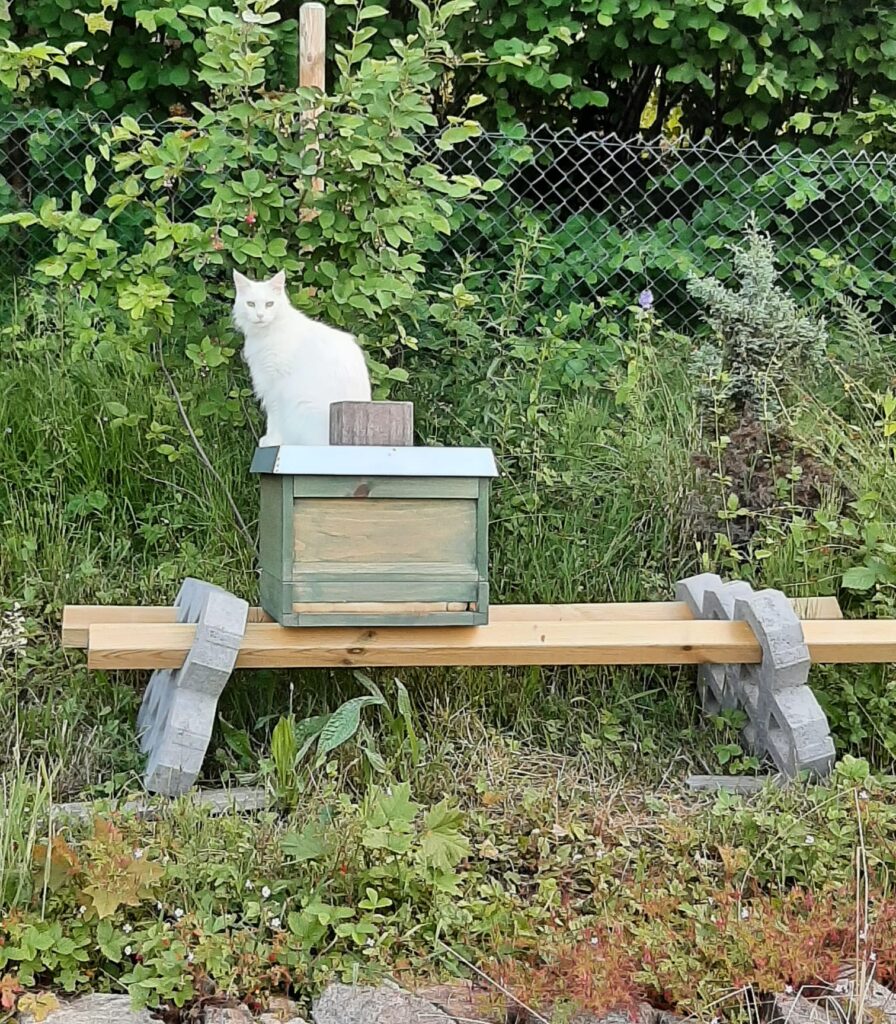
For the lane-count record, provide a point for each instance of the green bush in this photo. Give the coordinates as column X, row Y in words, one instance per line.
column 729, row 68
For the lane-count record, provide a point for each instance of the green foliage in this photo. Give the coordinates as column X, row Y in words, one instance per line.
column 725, row 67
column 395, row 751
column 134, row 55
column 23, row 67
column 351, row 887
column 760, row 337
column 148, row 251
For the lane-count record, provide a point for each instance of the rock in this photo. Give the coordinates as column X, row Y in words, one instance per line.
column 95, row 1009
column 456, row 998
column 877, row 1001
column 799, row 1010
column 281, row 1010
column 359, row 1004
column 226, row 1015
column 645, row 1014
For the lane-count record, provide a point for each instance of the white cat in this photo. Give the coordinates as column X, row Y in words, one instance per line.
column 298, row 366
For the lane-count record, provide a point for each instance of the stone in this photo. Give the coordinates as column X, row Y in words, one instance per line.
column 281, row 1010
column 226, row 1015
column 878, row 1002
column 360, row 1004
column 456, row 998
column 178, row 712
column 95, row 1009
column 797, row 1009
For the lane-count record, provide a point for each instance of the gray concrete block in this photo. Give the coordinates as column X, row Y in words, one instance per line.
column 692, row 591
column 785, row 656
column 178, row 712
column 785, row 721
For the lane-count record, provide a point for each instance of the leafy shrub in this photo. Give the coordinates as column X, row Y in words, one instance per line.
column 760, row 337
column 230, row 188
column 727, row 68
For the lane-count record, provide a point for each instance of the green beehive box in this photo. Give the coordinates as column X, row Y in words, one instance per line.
column 361, row 535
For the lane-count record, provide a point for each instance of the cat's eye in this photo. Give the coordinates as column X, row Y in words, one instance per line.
column 269, row 304
column 252, row 304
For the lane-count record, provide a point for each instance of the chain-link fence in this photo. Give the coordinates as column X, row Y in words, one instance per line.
column 575, row 219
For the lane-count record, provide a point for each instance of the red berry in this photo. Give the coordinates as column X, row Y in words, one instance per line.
column 250, row 217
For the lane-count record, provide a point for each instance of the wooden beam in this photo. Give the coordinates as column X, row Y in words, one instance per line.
column 312, row 71
column 78, row 618
column 389, row 424
column 161, row 645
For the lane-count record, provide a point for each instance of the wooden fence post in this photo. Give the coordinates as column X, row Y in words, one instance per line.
column 312, row 70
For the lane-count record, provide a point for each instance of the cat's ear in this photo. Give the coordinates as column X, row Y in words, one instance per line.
column 279, row 280
column 240, row 281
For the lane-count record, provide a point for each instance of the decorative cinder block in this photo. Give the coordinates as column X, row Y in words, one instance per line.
column 785, row 721
column 709, row 597
column 374, row 535
column 178, row 711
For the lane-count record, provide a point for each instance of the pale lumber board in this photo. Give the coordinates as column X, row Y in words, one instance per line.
column 77, row 619
column 160, row 645
column 501, row 643
column 421, row 608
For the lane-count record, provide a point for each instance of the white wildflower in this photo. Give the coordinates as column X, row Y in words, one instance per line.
column 138, row 854
column 593, row 940
column 275, row 923
column 744, row 913
column 127, row 929
column 788, row 990
column 265, row 893
column 370, row 943
column 178, row 913
column 810, row 840
column 864, row 795
column 128, row 950
column 249, row 886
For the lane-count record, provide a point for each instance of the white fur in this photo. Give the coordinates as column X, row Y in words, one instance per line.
column 298, row 366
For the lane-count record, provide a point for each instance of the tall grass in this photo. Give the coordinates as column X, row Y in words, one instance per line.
column 26, row 789
column 104, row 498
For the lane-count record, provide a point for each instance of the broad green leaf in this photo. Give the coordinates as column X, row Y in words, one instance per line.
column 309, row 844
column 860, row 577
column 343, row 724
column 443, row 845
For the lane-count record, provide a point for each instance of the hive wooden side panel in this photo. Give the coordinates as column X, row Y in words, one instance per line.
column 391, row 534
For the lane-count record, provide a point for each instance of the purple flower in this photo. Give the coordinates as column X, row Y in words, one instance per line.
column 645, row 300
